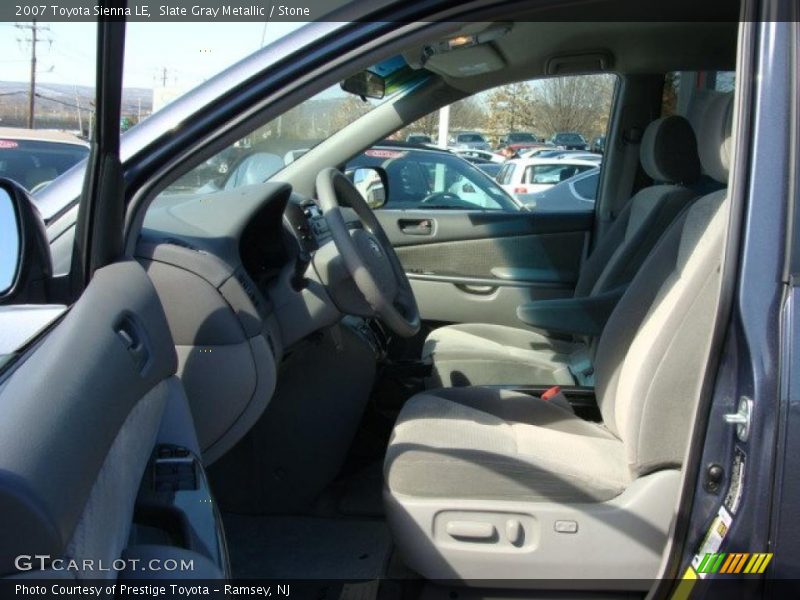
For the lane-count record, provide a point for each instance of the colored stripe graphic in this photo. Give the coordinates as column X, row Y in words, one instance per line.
column 734, row 563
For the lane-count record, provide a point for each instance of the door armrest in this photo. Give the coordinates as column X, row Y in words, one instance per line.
column 574, row 316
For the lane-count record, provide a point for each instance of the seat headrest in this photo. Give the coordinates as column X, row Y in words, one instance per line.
column 669, row 151
column 714, row 135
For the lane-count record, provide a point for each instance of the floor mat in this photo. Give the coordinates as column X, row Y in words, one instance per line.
column 363, row 492
column 278, row 547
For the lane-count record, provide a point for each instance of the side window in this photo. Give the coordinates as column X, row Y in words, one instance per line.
column 448, row 181
column 681, row 88
column 586, row 187
column 553, row 129
column 432, row 179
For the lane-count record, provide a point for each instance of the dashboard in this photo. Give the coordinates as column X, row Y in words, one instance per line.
column 226, row 268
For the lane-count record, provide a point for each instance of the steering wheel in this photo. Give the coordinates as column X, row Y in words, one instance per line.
column 368, row 255
column 444, row 198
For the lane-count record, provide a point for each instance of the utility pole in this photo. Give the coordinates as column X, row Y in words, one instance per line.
column 32, row 40
column 78, row 108
column 164, row 77
column 444, row 126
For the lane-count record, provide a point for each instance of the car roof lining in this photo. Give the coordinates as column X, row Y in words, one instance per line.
column 632, row 48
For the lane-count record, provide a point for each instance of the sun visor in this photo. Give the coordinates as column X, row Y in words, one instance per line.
column 466, row 62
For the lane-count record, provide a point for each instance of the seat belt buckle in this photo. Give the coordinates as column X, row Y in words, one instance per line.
column 551, row 393
column 556, row 397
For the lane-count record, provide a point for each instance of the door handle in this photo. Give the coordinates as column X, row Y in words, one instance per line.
column 478, row 290
column 134, row 342
column 416, row 226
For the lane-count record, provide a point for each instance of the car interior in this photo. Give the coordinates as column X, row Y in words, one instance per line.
column 324, row 390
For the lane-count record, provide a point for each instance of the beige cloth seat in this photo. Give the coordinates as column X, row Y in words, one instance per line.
column 483, row 354
column 495, row 444
column 489, row 483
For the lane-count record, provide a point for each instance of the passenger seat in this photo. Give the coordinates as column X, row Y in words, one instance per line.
column 487, row 354
column 487, row 483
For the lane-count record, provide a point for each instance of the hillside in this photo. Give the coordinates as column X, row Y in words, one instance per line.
column 57, row 104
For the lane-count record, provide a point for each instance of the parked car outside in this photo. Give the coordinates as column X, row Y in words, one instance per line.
column 490, row 168
column 569, row 140
column 478, row 156
column 530, row 175
column 519, row 141
column 470, row 140
column 34, row 157
column 551, row 153
column 598, row 144
column 419, row 138
column 578, row 193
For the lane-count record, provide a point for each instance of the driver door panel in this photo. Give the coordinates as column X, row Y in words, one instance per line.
column 479, row 266
column 81, row 415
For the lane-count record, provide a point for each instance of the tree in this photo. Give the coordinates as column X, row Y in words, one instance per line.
column 346, row 110
column 464, row 114
column 579, row 103
column 669, row 97
column 511, row 109
column 468, row 113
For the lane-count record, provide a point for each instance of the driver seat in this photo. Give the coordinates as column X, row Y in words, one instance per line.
column 488, row 483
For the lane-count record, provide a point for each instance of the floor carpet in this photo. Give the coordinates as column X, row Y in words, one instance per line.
column 280, row 547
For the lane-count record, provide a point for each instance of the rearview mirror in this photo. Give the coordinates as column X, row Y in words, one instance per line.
column 371, row 183
column 365, row 84
column 10, row 243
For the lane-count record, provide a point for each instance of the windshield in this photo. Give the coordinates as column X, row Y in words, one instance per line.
column 281, row 141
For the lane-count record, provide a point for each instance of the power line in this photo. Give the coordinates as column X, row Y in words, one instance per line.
column 32, row 40
column 68, row 104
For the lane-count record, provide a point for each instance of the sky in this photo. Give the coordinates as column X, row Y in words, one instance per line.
column 190, row 52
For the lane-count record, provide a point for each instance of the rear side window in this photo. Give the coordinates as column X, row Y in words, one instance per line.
column 681, row 86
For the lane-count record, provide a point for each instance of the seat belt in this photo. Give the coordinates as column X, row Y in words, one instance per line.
column 581, row 366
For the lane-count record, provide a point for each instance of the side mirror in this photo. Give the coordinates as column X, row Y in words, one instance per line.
column 365, row 84
column 25, row 263
column 372, row 183
column 10, row 243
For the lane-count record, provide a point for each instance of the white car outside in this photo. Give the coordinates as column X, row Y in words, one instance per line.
column 484, row 154
column 530, row 175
